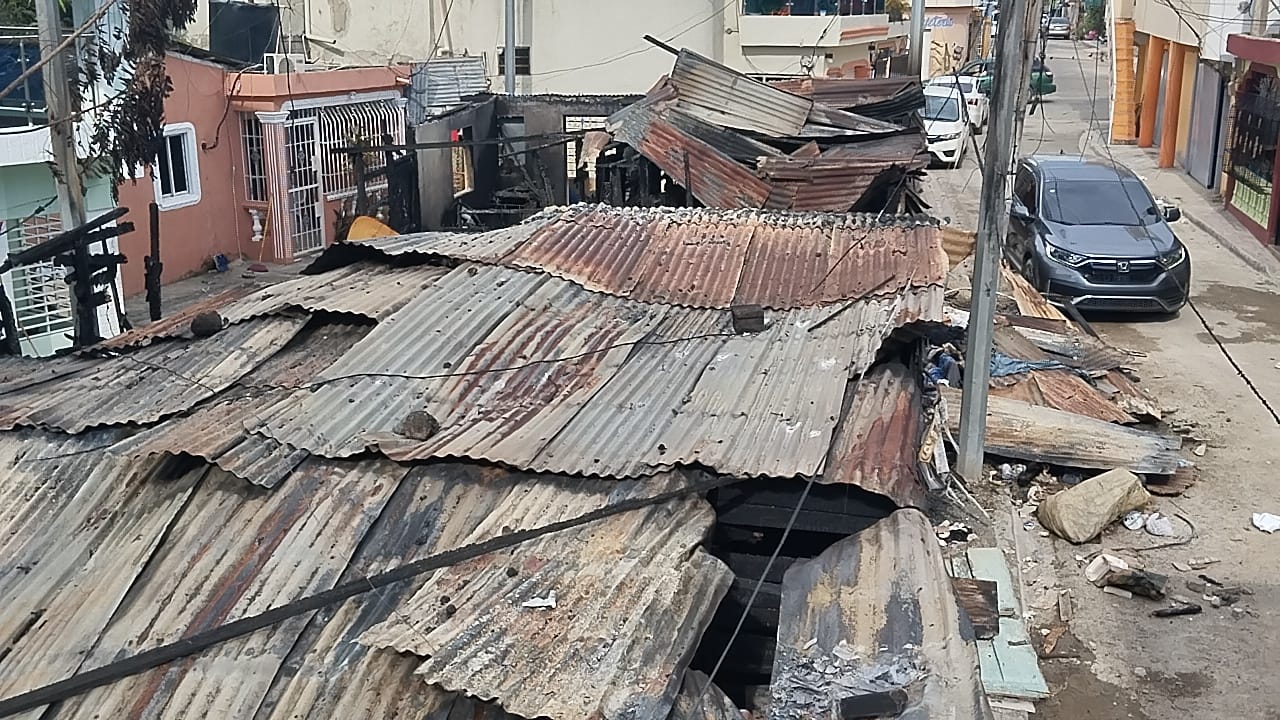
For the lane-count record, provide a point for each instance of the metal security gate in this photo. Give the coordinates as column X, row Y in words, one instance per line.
column 306, row 206
column 1206, row 118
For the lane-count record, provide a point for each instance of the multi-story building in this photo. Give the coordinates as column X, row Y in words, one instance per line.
column 580, row 47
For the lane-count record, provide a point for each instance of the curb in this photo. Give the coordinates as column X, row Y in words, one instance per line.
column 1269, row 267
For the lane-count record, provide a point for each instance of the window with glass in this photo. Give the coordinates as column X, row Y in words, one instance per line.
column 176, row 173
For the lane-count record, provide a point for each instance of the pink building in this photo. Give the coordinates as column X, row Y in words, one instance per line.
column 246, row 169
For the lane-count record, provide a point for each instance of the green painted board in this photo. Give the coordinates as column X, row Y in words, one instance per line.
column 1008, row 662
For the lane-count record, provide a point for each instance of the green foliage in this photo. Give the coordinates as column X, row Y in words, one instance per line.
column 897, row 9
column 1095, row 19
column 18, row 13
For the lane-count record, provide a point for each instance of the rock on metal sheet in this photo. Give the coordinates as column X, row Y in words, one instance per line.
column 1020, row 430
column 437, row 507
column 175, row 325
column 876, row 443
column 633, row 593
column 150, row 383
column 76, row 527
column 873, row 613
column 232, row 553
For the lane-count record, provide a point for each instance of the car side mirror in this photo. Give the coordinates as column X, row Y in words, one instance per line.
column 1172, row 213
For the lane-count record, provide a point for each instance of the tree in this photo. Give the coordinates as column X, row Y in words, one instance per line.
column 898, row 10
column 18, row 13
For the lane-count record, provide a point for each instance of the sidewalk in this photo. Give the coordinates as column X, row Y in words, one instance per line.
column 177, row 295
column 1200, row 207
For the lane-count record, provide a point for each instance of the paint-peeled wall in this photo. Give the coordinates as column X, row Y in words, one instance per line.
column 191, row 236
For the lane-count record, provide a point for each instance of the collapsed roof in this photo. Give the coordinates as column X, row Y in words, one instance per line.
column 445, row 394
column 736, row 142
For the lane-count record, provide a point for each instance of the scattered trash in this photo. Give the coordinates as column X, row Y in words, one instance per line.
column 1179, row 608
column 221, row 263
column 1139, row 582
column 1160, row 526
column 1010, row 473
column 1200, row 450
column 1051, row 638
column 943, row 368
column 547, row 602
column 1101, row 566
column 1134, row 519
column 1079, row 513
column 1118, row 592
column 248, row 275
column 1200, row 563
column 1071, row 478
column 259, row 268
column 1140, row 672
column 1266, row 522
column 1181, row 566
column 1003, row 365
column 949, row 532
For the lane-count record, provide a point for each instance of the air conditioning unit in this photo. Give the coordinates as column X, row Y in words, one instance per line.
column 281, row 63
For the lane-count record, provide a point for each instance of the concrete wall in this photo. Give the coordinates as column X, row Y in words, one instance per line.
column 190, row 236
column 1155, row 17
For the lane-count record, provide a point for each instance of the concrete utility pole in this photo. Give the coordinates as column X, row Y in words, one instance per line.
column 1010, row 78
column 1035, row 34
column 509, row 48
column 916, row 56
column 62, row 130
column 1260, row 9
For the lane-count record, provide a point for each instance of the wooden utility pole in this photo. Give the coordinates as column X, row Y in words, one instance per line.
column 1010, row 78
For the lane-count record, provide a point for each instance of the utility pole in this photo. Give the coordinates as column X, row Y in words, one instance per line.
column 1010, row 78
column 916, row 56
column 62, row 138
column 1260, row 9
column 1034, row 33
column 509, row 48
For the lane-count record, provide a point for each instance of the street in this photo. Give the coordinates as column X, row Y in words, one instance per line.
column 1218, row 363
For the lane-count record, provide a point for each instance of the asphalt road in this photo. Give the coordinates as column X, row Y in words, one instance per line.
column 1203, row 362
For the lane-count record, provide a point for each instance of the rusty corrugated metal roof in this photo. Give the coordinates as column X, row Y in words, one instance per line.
column 364, row 289
column 875, row 445
column 1062, row 390
column 649, row 387
column 619, row 584
column 177, row 324
column 845, row 92
column 727, row 98
column 701, row 257
column 150, row 383
column 875, row 613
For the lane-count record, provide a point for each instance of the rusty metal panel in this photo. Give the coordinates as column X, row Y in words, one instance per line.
column 875, row 613
column 718, row 95
column 876, row 442
column 176, row 325
column 310, row 353
column 1063, row 390
column 151, row 383
column 369, row 290
column 76, row 527
column 1030, row 302
column 633, row 593
column 487, row 247
column 1020, row 430
column 232, row 554
column 844, row 92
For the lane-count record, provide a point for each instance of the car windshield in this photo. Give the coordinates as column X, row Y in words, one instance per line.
column 1090, row 202
column 964, row 83
column 944, row 108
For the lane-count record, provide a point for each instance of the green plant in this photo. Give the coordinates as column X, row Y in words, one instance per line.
column 1094, row 19
column 897, row 10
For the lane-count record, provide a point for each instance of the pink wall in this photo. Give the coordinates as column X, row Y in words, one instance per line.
column 218, row 224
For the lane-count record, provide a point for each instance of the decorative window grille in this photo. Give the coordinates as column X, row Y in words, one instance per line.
column 357, row 123
column 255, row 169
column 41, row 296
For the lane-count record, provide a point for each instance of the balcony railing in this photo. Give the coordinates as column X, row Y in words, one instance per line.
column 19, row 50
column 813, row 7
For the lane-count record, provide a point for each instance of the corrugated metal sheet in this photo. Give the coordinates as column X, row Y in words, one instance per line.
column 176, row 325
column 488, row 246
column 845, row 92
column 365, row 289
column 310, row 353
column 1030, row 302
column 620, row 585
column 1130, row 396
column 873, row 613
column 76, row 528
column 151, row 383
column 232, row 554
column 217, row 433
column 876, row 443
column 442, row 83
column 537, row 373
column 718, row 258
column 18, row 373
column 1063, row 390
column 727, row 98
column 1017, row 429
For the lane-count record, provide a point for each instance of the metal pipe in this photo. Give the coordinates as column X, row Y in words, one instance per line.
column 915, row 50
column 509, row 48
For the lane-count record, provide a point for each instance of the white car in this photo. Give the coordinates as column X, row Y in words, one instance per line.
column 944, row 124
column 978, row 105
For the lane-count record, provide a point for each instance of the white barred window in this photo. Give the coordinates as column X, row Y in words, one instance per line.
column 357, row 123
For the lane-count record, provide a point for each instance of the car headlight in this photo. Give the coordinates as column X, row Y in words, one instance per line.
column 949, row 136
column 1066, row 257
column 1174, row 257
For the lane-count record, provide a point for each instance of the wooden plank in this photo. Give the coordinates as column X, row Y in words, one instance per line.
column 977, row 598
column 1017, row 669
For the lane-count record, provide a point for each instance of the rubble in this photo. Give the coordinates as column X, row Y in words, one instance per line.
column 1078, row 514
column 1266, row 522
column 1178, row 608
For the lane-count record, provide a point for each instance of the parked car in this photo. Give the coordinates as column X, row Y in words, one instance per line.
column 1059, row 28
column 944, row 124
column 1089, row 233
column 977, row 105
column 1041, row 77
